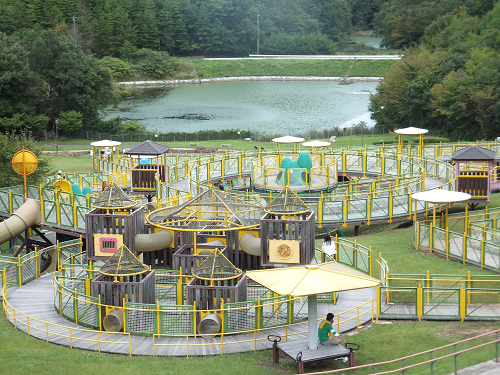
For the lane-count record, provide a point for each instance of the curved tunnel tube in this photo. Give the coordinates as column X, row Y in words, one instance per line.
column 113, row 322
column 250, row 244
column 209, row 326
column 212, row 243
column 153, row 241
column 23, row 218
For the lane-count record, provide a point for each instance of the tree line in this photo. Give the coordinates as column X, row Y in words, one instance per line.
column 184, row 27
column 450, row 82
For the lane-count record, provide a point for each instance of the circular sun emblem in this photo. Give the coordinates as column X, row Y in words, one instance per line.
column 284, row 251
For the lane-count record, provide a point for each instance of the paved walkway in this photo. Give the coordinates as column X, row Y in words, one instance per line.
column 486, row 368
column 34, row 303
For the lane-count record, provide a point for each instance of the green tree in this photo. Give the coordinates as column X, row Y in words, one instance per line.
column 69, row 122
column 23, row 122
column 133, row 127
column 70, row 78
column 10, row 143
column 17, row 81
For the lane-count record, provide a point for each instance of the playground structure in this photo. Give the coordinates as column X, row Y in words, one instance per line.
column 189, row 223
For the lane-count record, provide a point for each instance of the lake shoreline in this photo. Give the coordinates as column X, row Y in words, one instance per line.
column 249, row 78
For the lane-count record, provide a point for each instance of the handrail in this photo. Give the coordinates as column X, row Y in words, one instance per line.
column 71, row 337
column 430, row 351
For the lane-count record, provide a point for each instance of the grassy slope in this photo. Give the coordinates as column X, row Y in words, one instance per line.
column 276, row 67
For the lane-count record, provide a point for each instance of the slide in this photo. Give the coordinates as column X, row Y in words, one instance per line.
column 250, row 244
column 153, row 241
column 25, row 216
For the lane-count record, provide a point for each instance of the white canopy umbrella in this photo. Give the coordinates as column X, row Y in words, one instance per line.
column 105, row 143
column 411, row 131
column 311, row 280
column 441, row 196
column 287, row 139
column 314, row 144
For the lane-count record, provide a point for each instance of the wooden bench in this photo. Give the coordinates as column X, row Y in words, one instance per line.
column 195, row 144
column 299, row 351
column 225, row 145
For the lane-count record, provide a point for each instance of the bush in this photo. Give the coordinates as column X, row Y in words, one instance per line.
column 297, row 44
column 156, row 64
column 118, row 69
column 431, row 139
column 70, row 121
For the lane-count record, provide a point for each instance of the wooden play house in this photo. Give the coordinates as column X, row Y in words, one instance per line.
column 113, row 221
column 287, row 231
column 473, row 166
column 146, row 161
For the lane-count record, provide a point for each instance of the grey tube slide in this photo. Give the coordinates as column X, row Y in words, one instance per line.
column 25, row 216
column 153, row 241
column 250, row 244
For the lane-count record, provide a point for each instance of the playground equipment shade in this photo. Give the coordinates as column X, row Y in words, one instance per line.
column 288, row 139
column 411, row 131
column 441, row 196
column 312, row 279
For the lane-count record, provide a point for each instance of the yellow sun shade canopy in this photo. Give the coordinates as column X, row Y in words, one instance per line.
column 312, row 279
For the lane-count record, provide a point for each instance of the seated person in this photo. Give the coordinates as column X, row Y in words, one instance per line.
column 326, row 334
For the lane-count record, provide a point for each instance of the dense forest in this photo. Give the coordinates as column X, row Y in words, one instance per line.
column 449, row 81
column 56, row 56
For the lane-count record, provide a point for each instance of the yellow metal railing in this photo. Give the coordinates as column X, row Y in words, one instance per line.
column 19, row 319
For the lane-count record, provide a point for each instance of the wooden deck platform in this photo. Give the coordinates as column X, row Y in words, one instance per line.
column 299, row 351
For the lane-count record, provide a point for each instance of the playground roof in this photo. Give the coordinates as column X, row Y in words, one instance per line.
column 211, row 211
column 411, row 131
column 216, row 267
column 105, row 143
column 312, row 279
column 473, row 153
column 113, row 197
column 148, row 148
column 287, row 202
column 288, row 139
column 441, row 196
column 123, row 263
column 316, row 144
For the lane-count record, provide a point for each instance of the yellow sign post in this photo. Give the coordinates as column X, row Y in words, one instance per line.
column 25, row 163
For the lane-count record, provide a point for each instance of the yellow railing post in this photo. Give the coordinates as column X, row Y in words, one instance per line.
column 420, row 307
column 370, row 260
column 462, row 306
column 19, row 270
column 158, row 317
column 447, row 243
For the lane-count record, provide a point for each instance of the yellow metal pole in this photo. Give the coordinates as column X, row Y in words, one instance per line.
column 462, row 303
column 420, row 306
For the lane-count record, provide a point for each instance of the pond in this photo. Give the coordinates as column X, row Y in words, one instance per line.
column 262, row 106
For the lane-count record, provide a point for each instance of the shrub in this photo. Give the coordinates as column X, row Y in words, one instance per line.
column 118, row 69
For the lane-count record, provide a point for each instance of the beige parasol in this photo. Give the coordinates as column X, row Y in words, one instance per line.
column 311, row 280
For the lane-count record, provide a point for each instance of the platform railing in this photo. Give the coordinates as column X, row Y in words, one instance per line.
column 433, row 358
column 47, row 330
column 474, row 239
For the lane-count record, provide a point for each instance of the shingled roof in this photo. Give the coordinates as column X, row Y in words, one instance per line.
column 148, row 148
column 473, row 153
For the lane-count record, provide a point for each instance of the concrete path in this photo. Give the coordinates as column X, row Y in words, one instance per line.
column 486, row 368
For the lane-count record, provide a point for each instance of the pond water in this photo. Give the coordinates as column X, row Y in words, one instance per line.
column 265, row 107
column 369, row 40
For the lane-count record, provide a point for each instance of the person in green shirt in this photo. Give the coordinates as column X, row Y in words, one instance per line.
column 326, row 334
